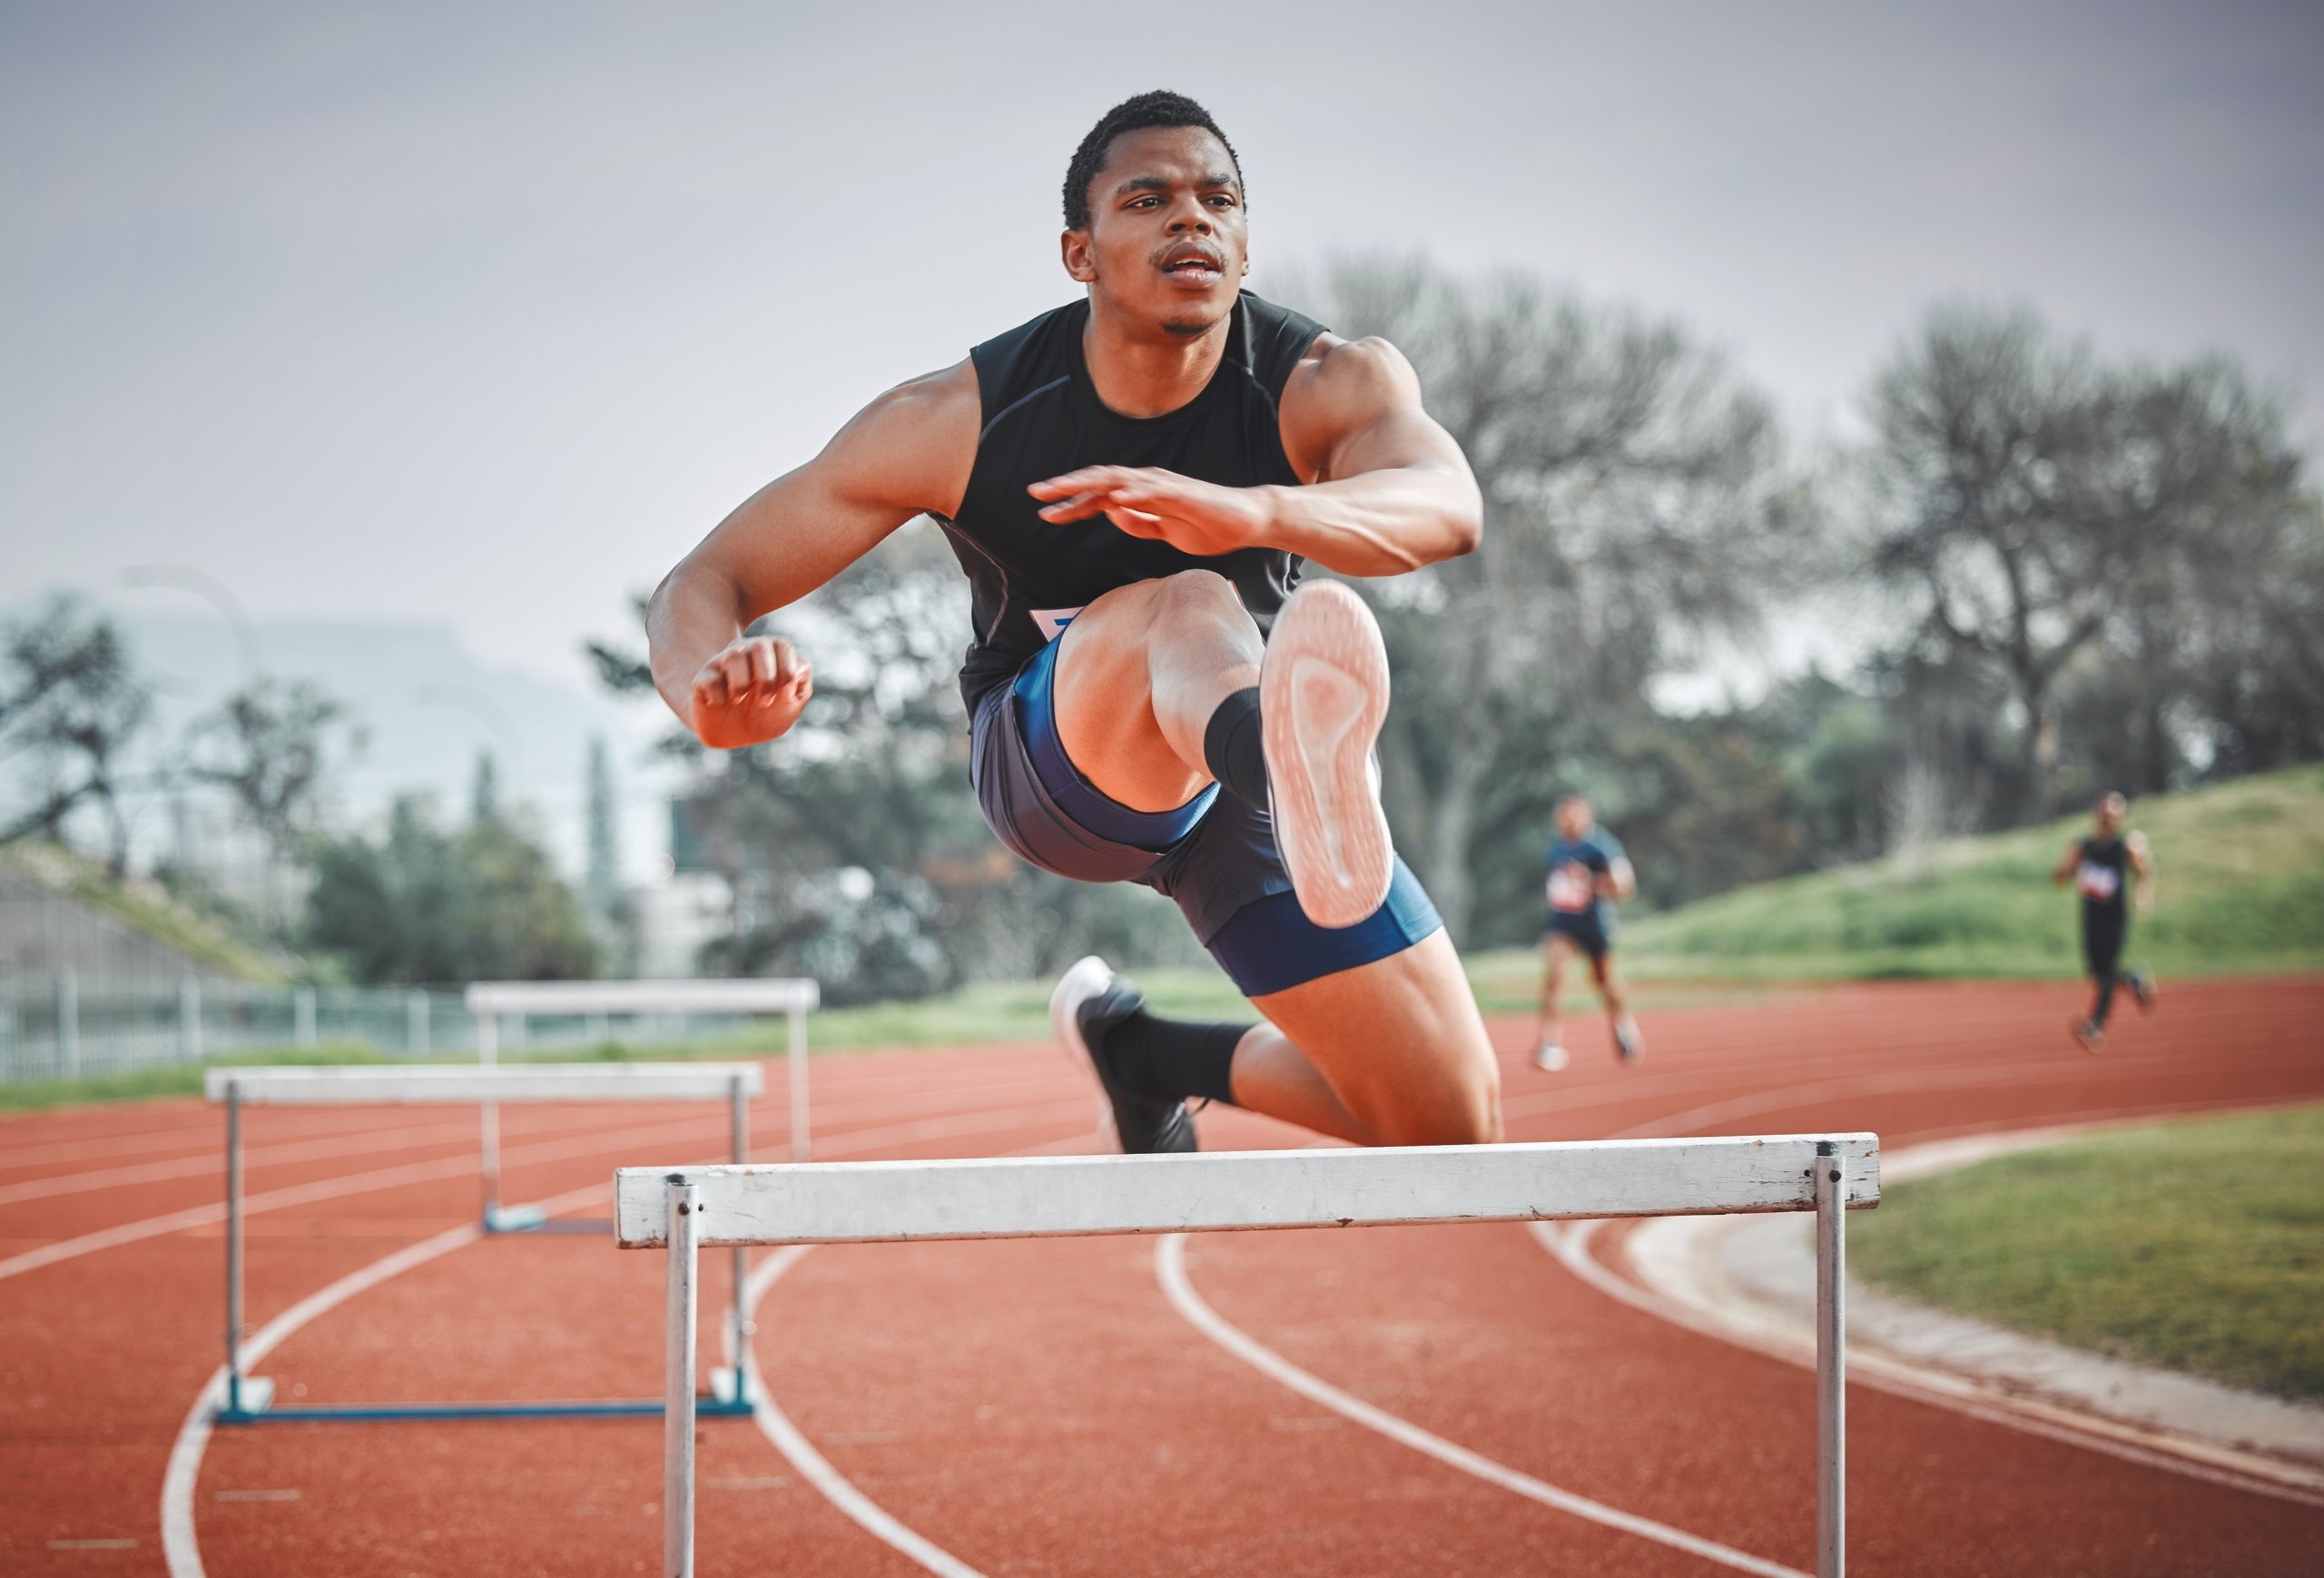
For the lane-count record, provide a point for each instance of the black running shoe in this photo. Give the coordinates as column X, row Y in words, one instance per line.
column 2142, row 990
column 1090, row 1000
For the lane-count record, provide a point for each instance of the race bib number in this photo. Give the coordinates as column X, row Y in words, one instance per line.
column 1570, row 888
column 2099, row 882
column 1052, row 622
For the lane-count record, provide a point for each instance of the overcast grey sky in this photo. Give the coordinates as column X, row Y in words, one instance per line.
column 486, row 312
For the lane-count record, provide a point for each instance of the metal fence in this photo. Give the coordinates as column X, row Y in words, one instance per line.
column 61, row 1024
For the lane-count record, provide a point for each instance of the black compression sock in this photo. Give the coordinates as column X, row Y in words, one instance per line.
column 1170, row 1059
column 1232, row 747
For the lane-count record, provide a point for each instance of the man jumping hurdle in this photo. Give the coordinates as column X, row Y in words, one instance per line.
column 1131, row 483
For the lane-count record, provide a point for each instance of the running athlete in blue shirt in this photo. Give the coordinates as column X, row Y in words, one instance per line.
column 1588, row 874
column 1131, row 484
column 2112, row 869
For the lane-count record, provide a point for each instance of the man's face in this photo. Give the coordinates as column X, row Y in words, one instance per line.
column 2109, row 816
column 1573, row 818
column 1167, row 242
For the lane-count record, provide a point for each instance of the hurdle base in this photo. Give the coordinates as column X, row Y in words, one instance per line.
column 730, row 1390
column 257, row 1399
column 246, row 1399
column 514, row 1218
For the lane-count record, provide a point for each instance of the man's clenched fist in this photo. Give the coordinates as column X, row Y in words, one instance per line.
column 750, row 692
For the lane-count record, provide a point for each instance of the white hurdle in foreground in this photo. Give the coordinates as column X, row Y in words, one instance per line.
column 687, row 1209
column 489, row 999
column 248, row 1398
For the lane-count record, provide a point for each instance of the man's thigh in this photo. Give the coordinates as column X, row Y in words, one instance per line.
column 1112, row 656
column 1402, row 1043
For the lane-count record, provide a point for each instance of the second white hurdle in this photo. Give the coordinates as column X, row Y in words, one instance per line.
column 489, row 999
column 249, row 1399
column 686, row 1209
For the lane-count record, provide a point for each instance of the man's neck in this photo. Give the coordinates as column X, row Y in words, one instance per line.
column 1140, row 370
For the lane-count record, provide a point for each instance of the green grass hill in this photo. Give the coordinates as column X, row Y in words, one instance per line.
column 2239, row 890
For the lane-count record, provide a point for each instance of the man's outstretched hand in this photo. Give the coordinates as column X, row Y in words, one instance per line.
column 750, row 692
column 1196, row 518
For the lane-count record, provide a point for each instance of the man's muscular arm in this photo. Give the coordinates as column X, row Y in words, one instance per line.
column 1389, row 490
column 907, row 452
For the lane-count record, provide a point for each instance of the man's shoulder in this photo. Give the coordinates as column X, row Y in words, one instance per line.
column 1009, row 364
column 912, row 446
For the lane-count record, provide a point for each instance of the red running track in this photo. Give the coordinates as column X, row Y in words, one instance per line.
column 1045, row 1408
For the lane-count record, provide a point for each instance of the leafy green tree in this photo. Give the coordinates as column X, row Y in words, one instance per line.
column 428, row 904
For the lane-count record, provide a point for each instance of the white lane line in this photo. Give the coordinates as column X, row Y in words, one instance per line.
column 1171, row 1267
column 815, row 1468
column 193, row 1135
column 1570, row 1247
column 255, row 1156
column 588, row 1144
column 812, row 1465
column 180, row 1546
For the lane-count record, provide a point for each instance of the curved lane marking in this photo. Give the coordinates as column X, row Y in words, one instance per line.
column 812, row 1465
column 815, row 1468
column 1570, row 1247
column 181, row 1548
column 1170, row 1265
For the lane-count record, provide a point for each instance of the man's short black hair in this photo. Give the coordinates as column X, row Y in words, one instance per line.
column 1158, row 109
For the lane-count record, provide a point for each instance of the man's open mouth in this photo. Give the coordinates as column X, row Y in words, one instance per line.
column 1194, row 265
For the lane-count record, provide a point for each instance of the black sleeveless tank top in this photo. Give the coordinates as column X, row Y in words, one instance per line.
column 2105, row 863
column 1043, row 417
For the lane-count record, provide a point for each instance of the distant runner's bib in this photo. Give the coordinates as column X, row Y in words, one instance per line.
column 2097, row 881
column 1571, row 891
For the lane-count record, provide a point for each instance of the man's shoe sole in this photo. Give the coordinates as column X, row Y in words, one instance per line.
column 1322, row 697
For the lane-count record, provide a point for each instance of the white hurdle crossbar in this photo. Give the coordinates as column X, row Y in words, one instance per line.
column 686, row 1209
column 489, row 999
column 249, row 1399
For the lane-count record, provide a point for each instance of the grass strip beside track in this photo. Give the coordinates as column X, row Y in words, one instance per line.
column 2198, row 1246
column 2239, row 892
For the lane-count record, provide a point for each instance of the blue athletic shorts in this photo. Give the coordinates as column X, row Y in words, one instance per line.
column 1582, row 929
column 1214, row 856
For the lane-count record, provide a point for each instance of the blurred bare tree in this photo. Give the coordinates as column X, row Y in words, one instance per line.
column 2074, row 525
column 71, row 703
column 1637, row 503
column 271, row 747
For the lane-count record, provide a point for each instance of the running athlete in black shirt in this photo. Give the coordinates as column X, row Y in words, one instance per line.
column 1131, row 484
column 2102, row 868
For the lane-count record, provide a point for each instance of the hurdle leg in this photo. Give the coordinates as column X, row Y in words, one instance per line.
column 1831, row 1363
column 797, row 1058
column 677, row 1432
column 487, row 1054
column 233, row 1249
column 737, row 1389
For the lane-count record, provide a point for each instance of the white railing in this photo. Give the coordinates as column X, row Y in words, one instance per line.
column 686, row 1209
